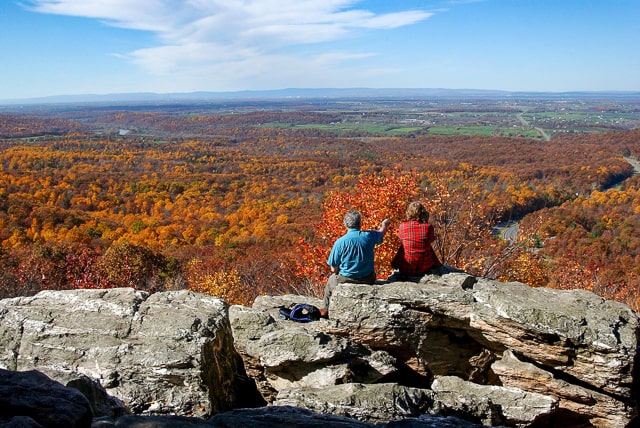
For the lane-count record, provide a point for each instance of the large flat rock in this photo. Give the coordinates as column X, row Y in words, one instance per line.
column 163, row 353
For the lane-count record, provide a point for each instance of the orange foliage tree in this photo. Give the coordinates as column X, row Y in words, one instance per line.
column 222, row 283
column 593, row 243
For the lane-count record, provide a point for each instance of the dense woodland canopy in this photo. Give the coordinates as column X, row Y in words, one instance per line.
column 244, row 204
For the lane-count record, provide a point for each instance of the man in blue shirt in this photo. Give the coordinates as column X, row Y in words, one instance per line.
column 351, row 258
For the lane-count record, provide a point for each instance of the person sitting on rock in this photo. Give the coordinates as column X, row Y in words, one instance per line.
column 351, row 257
column 416, row 256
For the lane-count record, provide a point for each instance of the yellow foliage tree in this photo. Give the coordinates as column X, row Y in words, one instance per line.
column 224, row 284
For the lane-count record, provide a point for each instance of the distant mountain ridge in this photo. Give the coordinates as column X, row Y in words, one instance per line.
column 313, row 93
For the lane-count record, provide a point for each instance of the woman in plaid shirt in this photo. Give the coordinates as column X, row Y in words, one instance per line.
column 415, row 256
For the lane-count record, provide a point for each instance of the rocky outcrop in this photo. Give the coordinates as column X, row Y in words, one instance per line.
column 450, row 351
column 30, row 399
column 166, row 353
column 494, row 353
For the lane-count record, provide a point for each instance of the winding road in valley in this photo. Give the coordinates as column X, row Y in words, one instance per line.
column 635, row 163
column 526, row 124
column 509, row 231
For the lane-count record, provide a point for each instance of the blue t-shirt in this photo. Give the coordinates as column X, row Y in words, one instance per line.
column 352, row 253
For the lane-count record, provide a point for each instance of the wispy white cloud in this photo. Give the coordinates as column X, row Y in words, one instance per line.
column 236, row 39
column 150, row 15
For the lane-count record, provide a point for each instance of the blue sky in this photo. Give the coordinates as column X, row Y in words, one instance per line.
column 63, row 47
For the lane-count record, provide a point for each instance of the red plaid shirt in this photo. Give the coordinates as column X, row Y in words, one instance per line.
column 415, row 256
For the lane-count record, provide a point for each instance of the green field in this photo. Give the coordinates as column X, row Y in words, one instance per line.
column 342, row 128
column 510, row 118
column 483, row 130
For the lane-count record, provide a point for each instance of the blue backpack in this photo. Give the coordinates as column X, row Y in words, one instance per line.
column 302, row 312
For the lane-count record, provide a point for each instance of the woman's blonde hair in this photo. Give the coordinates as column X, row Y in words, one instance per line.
column 417, row 211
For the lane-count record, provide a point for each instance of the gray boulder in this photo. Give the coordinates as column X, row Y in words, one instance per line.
column 490, row 404
column 166, row 353
column 296, row 417
column 287, row 354
column 375, row 403
column 102, row 404
column 575, row 333
column 599, row 408
column 281, row 416
column 494, row 353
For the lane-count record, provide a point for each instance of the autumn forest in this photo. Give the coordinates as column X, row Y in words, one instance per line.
column 246, row 199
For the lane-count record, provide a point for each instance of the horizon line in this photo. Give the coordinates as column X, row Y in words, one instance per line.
column 288, row 93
